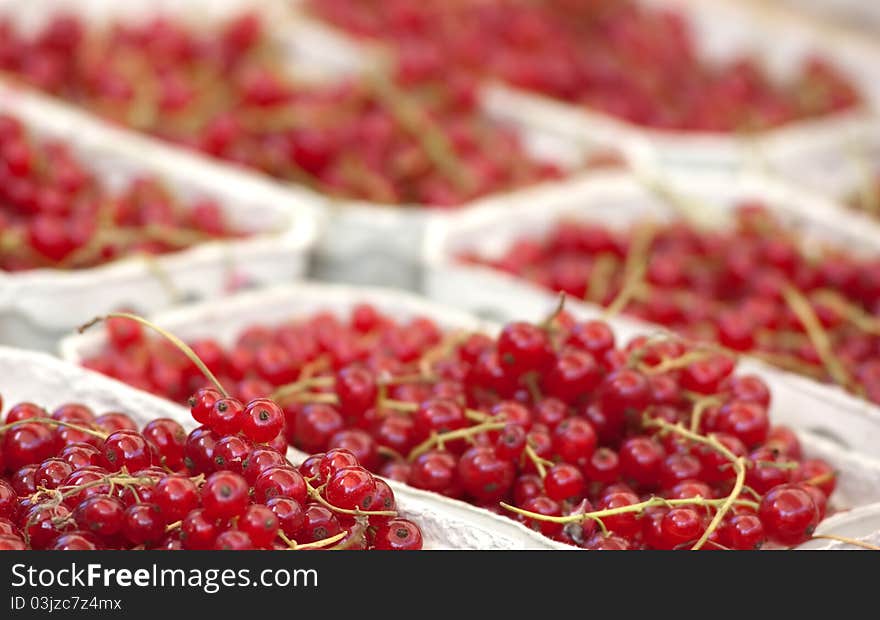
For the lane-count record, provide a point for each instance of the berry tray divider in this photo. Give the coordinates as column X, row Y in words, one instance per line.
column 37, row 306
column 619, row 200
column 722, row 29
column 858, row 483
column 445, row 522
column 363, row 242
column 838, row 166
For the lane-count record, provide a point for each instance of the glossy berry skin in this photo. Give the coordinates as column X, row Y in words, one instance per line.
column 202, row 403
column 744, row 531
column 168, row 440
column 290, row 515
column 233, row 540
column 640, row 460
column 511, row 442
column 74, row 541
column 127, row 449
column 198, row 531
column 437, row 415
column 542, row 505
column 356, row 389
column 143, row 524
column 333, row 460
column 319, row 523
column 398, row 535
column 280, row 481
column 435, row 470
column 485, row 476
column 523, row 347
column 176, row 496
column 623, row 524
column 226, row 416
column 260, row 523
column 262, row 420
column 101, row 515
column 789, row 514
column 224, row 495
column 199, row 450
column 51, row 473
column 8, row 500
column 230, row 453
column 9, row 542
column 574, row 440
column 564, row 482
column 27, row 443
column 681, row 525
column 258, row 461
column 573, row 375
column 351, row 488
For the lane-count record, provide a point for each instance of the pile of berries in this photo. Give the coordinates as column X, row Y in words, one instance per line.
column 75, row 481
column 223, row 92
column 631, row 61
column 751, row 287
column 55, row 213
column 657, row 444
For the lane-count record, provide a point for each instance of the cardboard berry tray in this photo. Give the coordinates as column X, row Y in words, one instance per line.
column 370, row 242
column 38, row 305
column 618, row 201
column 857, row 484
column 48, row 381
column 723, row 30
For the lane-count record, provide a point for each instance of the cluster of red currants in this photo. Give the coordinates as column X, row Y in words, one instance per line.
column 74, row 481
column 55, row 213
column 654, row 445
column 631, row 61
column 223, row 92
column 752, row 287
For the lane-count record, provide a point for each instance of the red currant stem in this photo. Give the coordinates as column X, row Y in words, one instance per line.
column 537, row 461
column 817, row 334
column 531, row 381
column 821, row 478
column 315, row 494
column 475, row 415
column 177, row 342
column 289, row 389
column 461, row 433
column 420, row 377
column 789, row 362
column 752, row 492
column 849, row 541
column 634, row 268
column 441, row 350
column 777, row 465
column 699, row 409
column 312, row 369
column 739, row 464
column 854, row 314
column 112, row 479
column 313, row 397
column 357, row 534
column 54, row 422
column 414, row 119
column 173, row 526
column 318, row 544
column 548, row 321
column 126, row 236
column 639, row 507
column 600, row 277
column 668, row 364
column 389, row 453
column 401, row 406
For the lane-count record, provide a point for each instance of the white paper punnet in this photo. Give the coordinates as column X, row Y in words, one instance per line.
column 723, row 30
column 47, row 381
column 858, row 482
column 36, row 306
column 620, row 200
column 368, row 242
